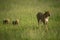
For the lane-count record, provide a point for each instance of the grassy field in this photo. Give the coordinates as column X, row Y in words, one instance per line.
column 25, row 11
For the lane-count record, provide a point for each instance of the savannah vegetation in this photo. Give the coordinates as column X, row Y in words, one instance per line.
column 25, row 11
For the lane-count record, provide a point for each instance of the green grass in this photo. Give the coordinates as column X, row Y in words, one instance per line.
column 25, row 11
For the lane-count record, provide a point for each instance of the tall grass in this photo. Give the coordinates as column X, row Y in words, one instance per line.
column 25, row 11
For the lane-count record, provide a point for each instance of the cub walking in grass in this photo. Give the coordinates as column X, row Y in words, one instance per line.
column 6, row 21
column 43, row 17
column 15, row 22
